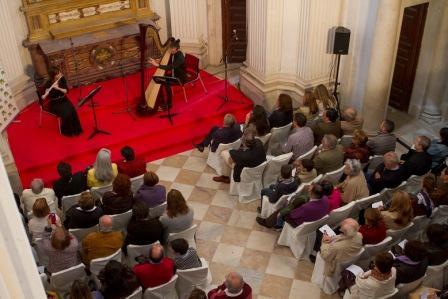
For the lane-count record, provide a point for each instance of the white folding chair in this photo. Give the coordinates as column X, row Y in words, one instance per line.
column 301, row 239
column 68, row 201
column 98, row 192
column 440, row 215
column 249, row 188
column 157, row 211
column 273, row 167
column 165, row 291
column 137, row 294
column 135, row 251
column 190, row 278
column 417, row 231
column 398, row 234
column 334, row 176
column 120, row 221
column 347, row 294
column 62, row 281
column 81, row 233
column 364, row 203
column 436, row 276
column 371, row 250
column 387, row 193
column 136, row 183
column 373, row 163
column 265, row 140
column 405, row 288
column 215, row 161
column 268, row 208
column 278, row 138
column 308, row 155
column 96, row 265
column 339, row 214
column 346, row 140
column 189, row 234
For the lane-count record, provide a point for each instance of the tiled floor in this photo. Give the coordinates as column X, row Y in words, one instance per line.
column 228, row 236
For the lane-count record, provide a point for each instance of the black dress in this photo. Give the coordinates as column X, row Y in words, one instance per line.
column 62, row 107
column 177, row 66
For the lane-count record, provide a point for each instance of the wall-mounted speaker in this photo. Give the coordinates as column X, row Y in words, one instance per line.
column 338, row 40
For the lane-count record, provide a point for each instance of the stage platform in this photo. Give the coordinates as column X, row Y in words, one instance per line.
column 37, row 150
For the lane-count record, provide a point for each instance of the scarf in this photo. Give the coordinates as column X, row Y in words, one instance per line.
column 423, row 199
column 380, row 276
column 406, row 260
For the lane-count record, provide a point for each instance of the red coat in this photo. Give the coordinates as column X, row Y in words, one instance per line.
column 373, row 234
column 152, row 275
column 219, row 293
column 132, row 168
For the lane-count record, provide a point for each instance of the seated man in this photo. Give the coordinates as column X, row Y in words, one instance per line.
column 186, row 257
column 234, row 287
column 341, row 248
column 286, row 184
column 102, row 243
column 157, row 270
column 385, row 141
column 330, row 157
column 411, row 263
column 388, row 174
column 36, row 191
column 228, row 133
column 417, row 161
column 68, row 183
column 301, row 140
column 329, row 125
column 130, row 165
column 437, row 244
column 351, row 121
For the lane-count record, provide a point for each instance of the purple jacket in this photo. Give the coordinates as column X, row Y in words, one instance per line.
column 152, row 196
column 308, row 212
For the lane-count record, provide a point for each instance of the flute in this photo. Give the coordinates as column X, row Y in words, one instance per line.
column 47, row 91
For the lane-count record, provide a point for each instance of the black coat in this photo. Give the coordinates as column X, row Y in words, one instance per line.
column 77, row 218
column 389, row 178
column 225, row 135
column 416, row 163
column 408, row 273
column 75, row 184
column 250, row 157
column 177, row 65
column 280, row 118
column 143, row 232
column 114, row 203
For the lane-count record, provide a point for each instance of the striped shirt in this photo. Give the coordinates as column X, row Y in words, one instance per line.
column 189, row 260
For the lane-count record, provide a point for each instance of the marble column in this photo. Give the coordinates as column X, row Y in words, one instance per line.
column 436, row 85
column 381, row 64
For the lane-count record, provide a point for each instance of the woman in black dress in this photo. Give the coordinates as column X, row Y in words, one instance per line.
column 60, row 105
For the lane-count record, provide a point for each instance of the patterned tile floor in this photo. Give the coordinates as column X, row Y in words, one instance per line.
column 228, row 236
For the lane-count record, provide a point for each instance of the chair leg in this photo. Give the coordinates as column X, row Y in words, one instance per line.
column 202, row 83
column 185, row 94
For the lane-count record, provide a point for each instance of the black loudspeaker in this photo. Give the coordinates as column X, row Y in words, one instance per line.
column 338, row 40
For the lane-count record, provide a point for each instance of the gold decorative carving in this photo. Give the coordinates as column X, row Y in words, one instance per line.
column 103, row 56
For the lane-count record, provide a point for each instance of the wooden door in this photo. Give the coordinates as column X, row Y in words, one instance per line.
column 407, row 56
column 234, row 18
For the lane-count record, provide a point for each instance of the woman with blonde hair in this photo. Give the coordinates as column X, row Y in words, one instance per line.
column 103, row 171
column 400, row 213
column 324, row 99
column 309, row 107
column 178, row 215
column 358, row 149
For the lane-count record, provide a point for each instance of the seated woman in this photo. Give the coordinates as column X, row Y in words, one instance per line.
column 323, row 98
column 103, row 171
column 178, row 215
column 83, row 215
column 81, row 290
column 421, row 202
column 282, row 115
column 309, row 107
column 41, row 216
column 333, row 195
column 150, row 192
column 440, row 195
column 130, row 164
column 305, row 170
column 258, row 117
column 117, row 280
column 354, row 186
column 439, row 148
column 142, row 230
column 400, row 214
column 374, row 229
column 378, row 282
column 412, row 264
column 120, row 199
column 358, row 149
column 437, row 244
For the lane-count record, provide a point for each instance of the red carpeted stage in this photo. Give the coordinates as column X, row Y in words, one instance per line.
column 37, row 151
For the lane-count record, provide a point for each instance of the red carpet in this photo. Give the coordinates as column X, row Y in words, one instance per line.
column 37, row 151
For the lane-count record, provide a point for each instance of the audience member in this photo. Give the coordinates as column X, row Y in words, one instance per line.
column 324, row 100
column 84, row 214
column 329, row 158
column 354, row 186
column 102, row 243
column 437, row 244
column 103, row 171
column 197, row 294
column 80, row 290
column 234, row 287
column 178, row 215
column 421, row 202
column 150, row 192
column 412, row 264
column 258, row 117
column 376, row 283
column 286, row 184
column 440, row 194
column 417, row 161
column 186, row 257
column 157, row 270
column 305, row 170
column 142, row 230
column 228, row 133
column 341, row 248
column 282, row 115
column 131, row 165
column 385, row 141
column 399, row 215
column 309, row 107
column 439, row 148
column 374, row 230
column 389, row 174
column 61, row 247
column 358, row 149
column 68, row 183
column 351, row 122
column 333, row 194
column 329, row 125
column 117, row 281
column 37, row 190
column 41, row 214
column 301, row 140
column 120, row 199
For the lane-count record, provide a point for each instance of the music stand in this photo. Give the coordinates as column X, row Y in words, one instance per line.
column 166, row 82
column 89, row 97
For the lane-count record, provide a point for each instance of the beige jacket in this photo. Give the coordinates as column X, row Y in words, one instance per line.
column 368, row 287
column 343, row 249
column 348, row 127
column 354, row 188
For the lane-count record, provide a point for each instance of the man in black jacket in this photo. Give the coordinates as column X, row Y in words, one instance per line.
column 68, row 183
column 389, row 174
column 228, row 133
column 417, row 161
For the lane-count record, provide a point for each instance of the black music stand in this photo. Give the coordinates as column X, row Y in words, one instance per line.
column 89, row 97
column 166, row 82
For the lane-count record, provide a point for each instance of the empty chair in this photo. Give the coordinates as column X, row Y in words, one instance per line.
column 165, row 291
column 339, row 214
column 137, row 294
column 96, row 265
column 334, row 176
column 120, row 221
column 268, row 208
column 157, row 211
column 435, row 276
column 135, row 251
column 190, row 278
column 249, row 188
column 405, row 288
column 373, row 163
column 308, row 155
column 189, row 234
column 273, row 167
column 279, row 137
column 398, row 234
column 215, row 161
column 98, row 192
column 62, row 281
column 301, row 239
column 136, row 183
column 81, row 233
column 346, row 140
column 67, row 202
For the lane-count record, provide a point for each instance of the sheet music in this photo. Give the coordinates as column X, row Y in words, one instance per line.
column 357, row 270
column 402, row 243
column 377, row 204
column 326, row 229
